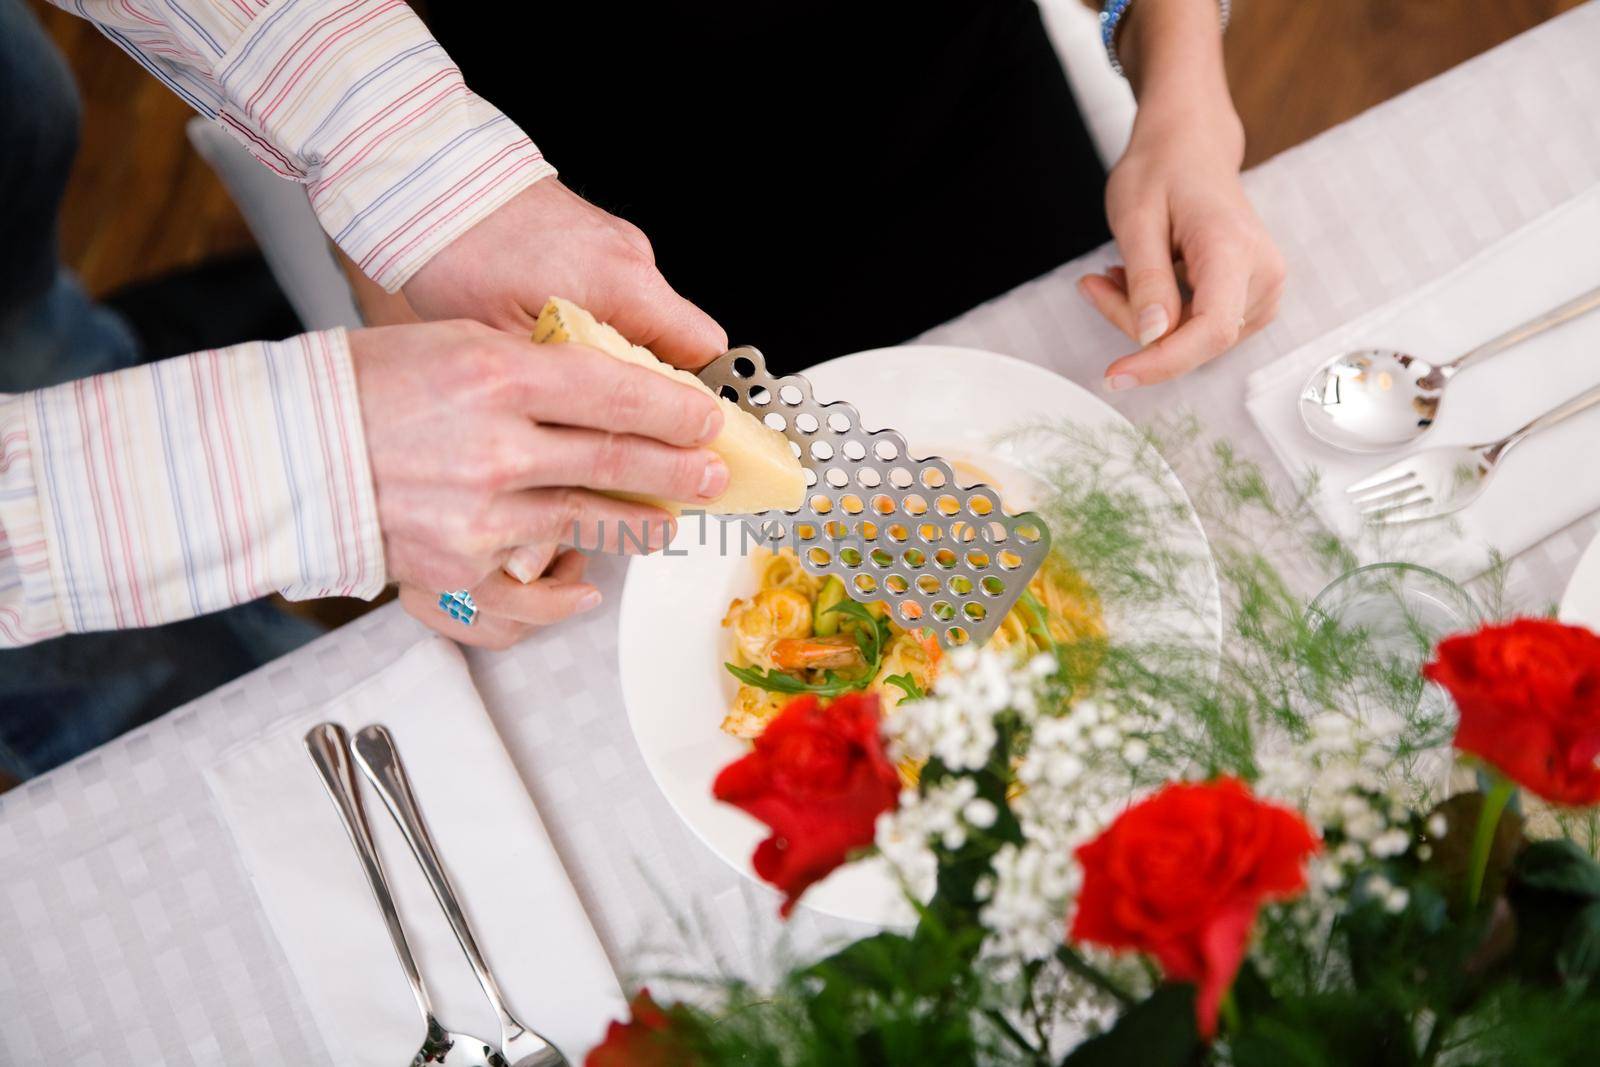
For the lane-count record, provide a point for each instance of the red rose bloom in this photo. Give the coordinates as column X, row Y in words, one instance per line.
column 1528, row 694
column 819, row 777
column 1181, row 876
column 649, row 1039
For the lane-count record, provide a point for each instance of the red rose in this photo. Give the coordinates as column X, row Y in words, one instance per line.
column 652, row 1038
column 819, row 777
column 1529, row 699
column 1181, row 876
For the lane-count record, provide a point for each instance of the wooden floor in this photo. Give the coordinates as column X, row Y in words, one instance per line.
column 141, row 202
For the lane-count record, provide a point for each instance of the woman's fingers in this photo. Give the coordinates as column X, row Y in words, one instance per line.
column 1221, row 275
column 1145, row 238
column 527, row 562
column 485, row 631
column 576, row 517
column 1111, row 300
column 560, row 594
column 624, row 462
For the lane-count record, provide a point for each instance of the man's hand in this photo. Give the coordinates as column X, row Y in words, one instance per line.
column 548, row 241
column 480, row 442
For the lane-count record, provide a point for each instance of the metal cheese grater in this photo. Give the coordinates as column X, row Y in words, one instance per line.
column 892, row 527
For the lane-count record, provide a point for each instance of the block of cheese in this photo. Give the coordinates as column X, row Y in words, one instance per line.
column 763, row 473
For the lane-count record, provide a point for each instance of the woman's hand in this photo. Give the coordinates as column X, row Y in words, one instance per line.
column 1177, row 208
column 510, row 610
column 482, row 444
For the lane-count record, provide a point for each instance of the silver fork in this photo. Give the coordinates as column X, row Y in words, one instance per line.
column 379, row 760
column 1440, row 481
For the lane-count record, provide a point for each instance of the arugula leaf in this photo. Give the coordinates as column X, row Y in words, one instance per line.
column 779, row 682
column 871, row 637
column 907, row 685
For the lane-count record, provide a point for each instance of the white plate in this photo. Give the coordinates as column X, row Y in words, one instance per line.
column 952, row 402
column 1580, row 604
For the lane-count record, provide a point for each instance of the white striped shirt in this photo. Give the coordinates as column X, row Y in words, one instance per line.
column 166, row 491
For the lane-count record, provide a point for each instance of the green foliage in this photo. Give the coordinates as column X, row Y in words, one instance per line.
column 1508, row 978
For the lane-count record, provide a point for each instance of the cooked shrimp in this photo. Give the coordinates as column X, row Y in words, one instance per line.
column 839, row 652
column 752, row 709
column 771, row 615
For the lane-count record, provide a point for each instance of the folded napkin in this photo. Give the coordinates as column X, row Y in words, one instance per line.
column 529, row 923
column 1545, row 483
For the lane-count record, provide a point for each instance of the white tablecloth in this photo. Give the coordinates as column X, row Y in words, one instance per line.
column 128, row 930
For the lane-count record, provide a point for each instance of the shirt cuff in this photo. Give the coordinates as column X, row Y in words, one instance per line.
column 170, row 490
column 29, row 610
column 399, row 157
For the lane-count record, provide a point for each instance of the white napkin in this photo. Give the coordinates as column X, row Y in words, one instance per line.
column 529, row 923
column 1545, row 483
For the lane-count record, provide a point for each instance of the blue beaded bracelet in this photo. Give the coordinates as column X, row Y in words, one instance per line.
column 1111, row 13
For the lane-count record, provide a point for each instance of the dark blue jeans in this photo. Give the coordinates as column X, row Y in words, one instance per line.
column 63, row 697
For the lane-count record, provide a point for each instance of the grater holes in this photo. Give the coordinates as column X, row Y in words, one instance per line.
column 869, row 478
column 930, row 533
column 839, row 422
column 744, row 367
column 821, row 504
column 834, row 530
column 886, row 451
column 928, row 585
column 913, row 504
column 979, row 504
column 819, row 556
column 943, row 610
column 994, row 533
column 775, row 421
column 944, row 559
column 760, row 395
column 821, row 451
column 1010, row 560
column 869, row 531
column 957, row 636
column 854, row 451
column 811, row 477
column 791, row 395
column 1029, row 532
column 974, row 611
column 807, row 423
column 805, row 531
column 882, row 504
column 914, row 558
column 729, row 393
column 900, row 478
column 896, row 533
column 910, row 610
column 977, row 560
column 881, row 559
column 794, row 450
column 850, row 557
column 866, row 584
column 963, row 532
column 896, row 584
column 933, row 478
column 947, row 505
column 851, row 503
column 992, row 586
column 837, row 478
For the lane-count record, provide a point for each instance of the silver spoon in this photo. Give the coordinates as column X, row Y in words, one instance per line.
column 1376, row 399
column 379, row 760
column 329, row 746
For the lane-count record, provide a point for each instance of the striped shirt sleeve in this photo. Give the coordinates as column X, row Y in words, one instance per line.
column 182, row 487
column 354, row 98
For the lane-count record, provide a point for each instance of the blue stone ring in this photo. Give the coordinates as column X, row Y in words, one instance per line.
column 459, row 606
